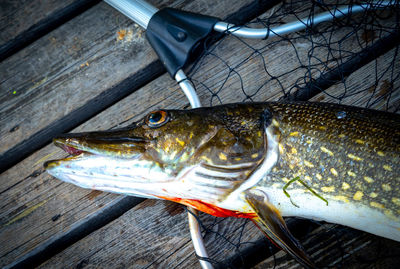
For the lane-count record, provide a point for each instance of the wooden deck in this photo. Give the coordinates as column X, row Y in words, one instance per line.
column 82, row 66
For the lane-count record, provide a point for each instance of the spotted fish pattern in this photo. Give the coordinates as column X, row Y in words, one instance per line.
column 344, row 153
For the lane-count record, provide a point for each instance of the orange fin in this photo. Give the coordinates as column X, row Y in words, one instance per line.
column 209, row 208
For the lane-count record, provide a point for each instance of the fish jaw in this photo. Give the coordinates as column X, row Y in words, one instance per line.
column 104, row 173
column 115, row 143
column 103, row 161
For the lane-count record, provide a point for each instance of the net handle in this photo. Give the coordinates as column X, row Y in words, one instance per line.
column 137, row 10
column 297, row 25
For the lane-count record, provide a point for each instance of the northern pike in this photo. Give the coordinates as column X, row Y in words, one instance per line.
column 262, row 161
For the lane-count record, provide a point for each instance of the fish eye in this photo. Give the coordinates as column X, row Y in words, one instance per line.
column 157, row 118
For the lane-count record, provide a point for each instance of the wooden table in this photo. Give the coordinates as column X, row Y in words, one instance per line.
column 81, row 66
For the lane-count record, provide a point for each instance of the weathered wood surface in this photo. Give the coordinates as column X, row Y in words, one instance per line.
column 165, row 243
column 21, row 22
column 33, row 203
column 341, row 247
column 367, row 88
column 76, row 71
column 290, row 63
column 35, row 207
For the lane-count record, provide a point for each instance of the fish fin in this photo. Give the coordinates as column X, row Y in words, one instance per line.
column 270, row 221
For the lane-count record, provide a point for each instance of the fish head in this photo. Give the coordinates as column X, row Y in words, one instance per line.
column 187, row 154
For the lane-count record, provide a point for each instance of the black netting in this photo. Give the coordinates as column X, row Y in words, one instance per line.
column 352, row 60
column 302, row 64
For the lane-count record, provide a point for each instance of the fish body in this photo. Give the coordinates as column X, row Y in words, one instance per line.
column 258, row 160
column 350, row 156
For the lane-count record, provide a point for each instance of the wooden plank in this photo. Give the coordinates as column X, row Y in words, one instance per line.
column 162, row 233
column 370, row 86
column 342, row 247
column 32, row 191
column 71, row 59
column 181, row 256
column 330, row 77
column 39, row 207
column 22, row 22
column 290, row 63
column 78, row 70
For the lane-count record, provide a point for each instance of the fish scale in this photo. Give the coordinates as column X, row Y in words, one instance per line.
column 334, row 160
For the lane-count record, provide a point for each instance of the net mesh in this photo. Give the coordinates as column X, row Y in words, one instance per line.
column 352, row 60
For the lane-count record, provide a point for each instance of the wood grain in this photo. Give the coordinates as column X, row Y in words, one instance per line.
column 33, row 203
column 342, row 247
column 367, row 88
column 164, row 240
column 36, row 207
column 78, row 70
column 290, row 62
column 22, row 22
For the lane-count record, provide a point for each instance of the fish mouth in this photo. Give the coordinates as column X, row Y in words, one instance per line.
column 115, row 143
column 112, row 161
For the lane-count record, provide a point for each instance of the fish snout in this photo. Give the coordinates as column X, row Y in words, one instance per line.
column 114, row 143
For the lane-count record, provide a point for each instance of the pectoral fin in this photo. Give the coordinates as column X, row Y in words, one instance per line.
column 272, row 224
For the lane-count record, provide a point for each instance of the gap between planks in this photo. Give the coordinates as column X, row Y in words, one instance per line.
column 37, row 174
column 24, row 22
column 26, row 127
column 175, row 101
